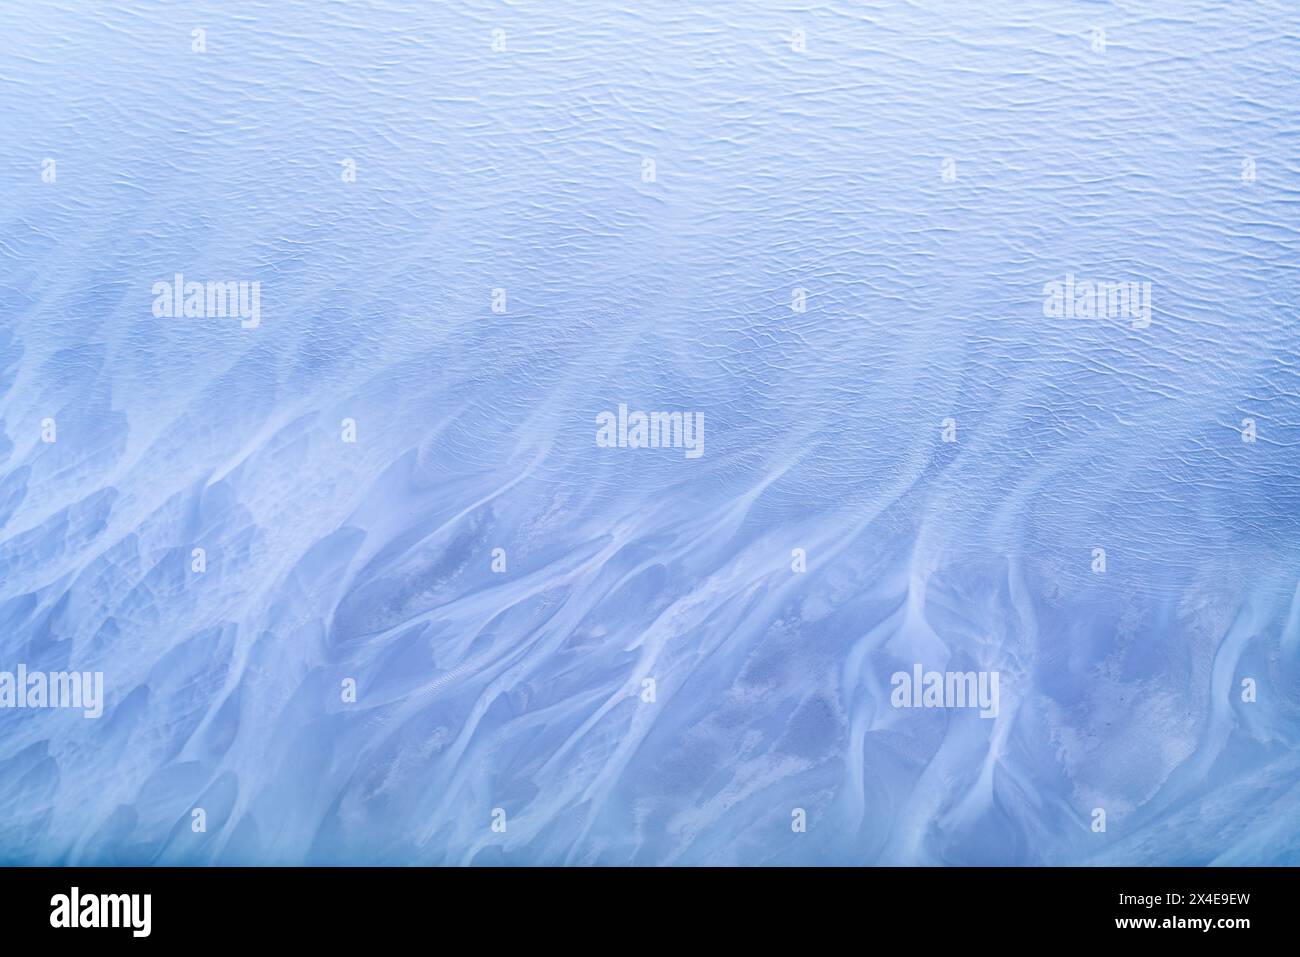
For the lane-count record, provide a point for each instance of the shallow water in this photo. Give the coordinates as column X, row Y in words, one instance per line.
column 776, row 170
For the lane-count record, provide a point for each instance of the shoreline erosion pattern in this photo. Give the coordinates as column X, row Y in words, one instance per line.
column 363, row 584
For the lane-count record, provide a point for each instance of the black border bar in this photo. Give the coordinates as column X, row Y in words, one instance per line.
column 492, row 906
